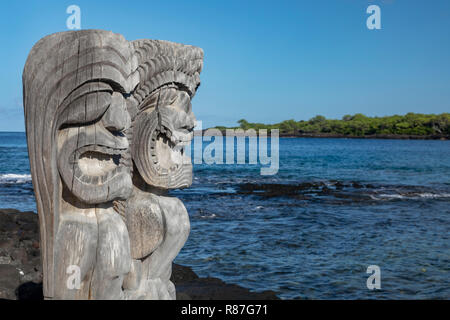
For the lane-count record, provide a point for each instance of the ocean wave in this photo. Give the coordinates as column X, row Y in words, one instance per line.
column 12, row 178
column 342, row 191
column 209, row 216
column 411, row 196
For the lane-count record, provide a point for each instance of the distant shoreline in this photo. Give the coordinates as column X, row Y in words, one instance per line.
column 341, row 136
column 358, row 126
column 330, row 135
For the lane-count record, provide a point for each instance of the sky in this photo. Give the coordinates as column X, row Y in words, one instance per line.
column 265, row 61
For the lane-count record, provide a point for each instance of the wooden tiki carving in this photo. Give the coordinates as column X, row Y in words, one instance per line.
column 106, row 122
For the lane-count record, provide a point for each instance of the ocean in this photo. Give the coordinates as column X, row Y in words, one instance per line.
column 335, row 207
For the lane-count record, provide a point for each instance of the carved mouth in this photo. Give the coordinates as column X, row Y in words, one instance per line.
column 167, row 156
column 98, row 164
column 95, row 163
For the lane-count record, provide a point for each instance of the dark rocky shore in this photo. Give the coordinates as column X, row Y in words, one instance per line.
column 21, row 271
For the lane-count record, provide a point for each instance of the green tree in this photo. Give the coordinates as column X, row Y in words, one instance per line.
column 317, row 119
column 244, row 124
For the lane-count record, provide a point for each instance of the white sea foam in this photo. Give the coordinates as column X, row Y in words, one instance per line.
column 209, row 216
column 392, row 196
column 413, row 196
column 12, row 178
column 434, row 195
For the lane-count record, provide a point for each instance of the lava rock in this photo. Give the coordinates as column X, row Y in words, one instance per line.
column 21, row 271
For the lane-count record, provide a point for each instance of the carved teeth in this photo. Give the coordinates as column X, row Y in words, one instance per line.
column 95, row 179
column 97, row 164
column 178, row 147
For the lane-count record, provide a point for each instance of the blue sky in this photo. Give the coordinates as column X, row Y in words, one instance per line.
column 265, row 61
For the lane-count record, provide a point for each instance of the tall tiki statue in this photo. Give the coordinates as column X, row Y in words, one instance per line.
column 107, row 121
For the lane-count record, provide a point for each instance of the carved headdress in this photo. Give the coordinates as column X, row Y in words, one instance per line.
column 162, row 113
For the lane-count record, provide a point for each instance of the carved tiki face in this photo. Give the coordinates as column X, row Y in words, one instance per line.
column 162, row 129
column 164, row 122
column 93, row 153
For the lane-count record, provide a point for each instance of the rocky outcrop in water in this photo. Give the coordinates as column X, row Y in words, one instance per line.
column 21, row 271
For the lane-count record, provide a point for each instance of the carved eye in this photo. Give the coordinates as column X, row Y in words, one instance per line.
column 187, row 127
column 115, row 132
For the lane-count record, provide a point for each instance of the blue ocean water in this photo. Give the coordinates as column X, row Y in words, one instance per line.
column 335, row 207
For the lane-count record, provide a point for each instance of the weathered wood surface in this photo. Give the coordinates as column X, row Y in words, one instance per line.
column 106, row 123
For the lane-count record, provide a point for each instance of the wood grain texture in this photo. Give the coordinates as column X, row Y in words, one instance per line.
column 106, row 122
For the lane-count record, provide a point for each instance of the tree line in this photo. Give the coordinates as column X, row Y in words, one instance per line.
column 360, row 125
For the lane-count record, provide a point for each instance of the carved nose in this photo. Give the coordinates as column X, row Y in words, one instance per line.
column 116, row 118
column 191, row 122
